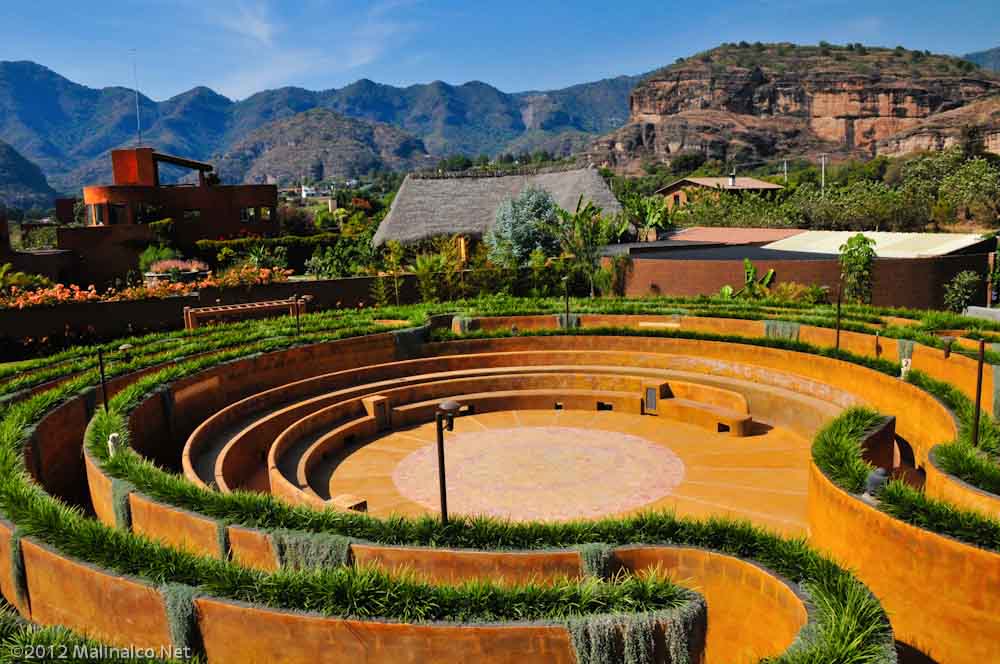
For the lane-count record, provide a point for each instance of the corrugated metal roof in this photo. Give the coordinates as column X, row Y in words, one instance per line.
column 887, row 245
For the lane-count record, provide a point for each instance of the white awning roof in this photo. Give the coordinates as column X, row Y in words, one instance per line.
column 887, row 245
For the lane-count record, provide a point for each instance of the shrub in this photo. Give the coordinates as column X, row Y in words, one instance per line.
column 21, row 281
column 154, row 254
column 791, row 291
column 959, row 291
column 523, row 224
column 857, row 256
column 162, row 267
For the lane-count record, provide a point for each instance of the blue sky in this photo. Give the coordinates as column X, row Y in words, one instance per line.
column 243, row 46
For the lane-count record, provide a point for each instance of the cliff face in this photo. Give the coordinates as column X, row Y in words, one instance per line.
column 944, row 130
column 751, row 102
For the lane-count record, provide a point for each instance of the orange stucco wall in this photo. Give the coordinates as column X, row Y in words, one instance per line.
column 943, row 597
column 734, row 590
column 108, row 607
column 249, row 635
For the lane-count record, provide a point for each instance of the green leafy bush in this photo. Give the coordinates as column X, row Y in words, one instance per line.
column 154, row 254
column 523, row 224
column 959, row 291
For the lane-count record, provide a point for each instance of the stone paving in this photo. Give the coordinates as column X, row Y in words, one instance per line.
column 557, row 465
column 542, row 472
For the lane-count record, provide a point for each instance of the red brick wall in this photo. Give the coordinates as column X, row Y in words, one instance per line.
column 903, row 282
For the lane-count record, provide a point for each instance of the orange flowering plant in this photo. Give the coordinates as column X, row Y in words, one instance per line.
column 242, row 276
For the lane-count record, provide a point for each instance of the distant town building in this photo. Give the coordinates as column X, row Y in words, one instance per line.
column 677, row 193
column 308, row 192
column 200, row 211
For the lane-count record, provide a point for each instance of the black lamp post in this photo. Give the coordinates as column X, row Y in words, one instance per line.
column 104, row 382
column 979, row 393
column 298, row 325
column 445, row 419
column 565, row 281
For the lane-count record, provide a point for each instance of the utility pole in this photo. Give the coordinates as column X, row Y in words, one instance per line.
column 785, row 169
column 822, row 162
column 135, row 86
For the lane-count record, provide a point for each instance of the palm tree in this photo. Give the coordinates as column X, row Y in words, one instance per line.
column 582, row 234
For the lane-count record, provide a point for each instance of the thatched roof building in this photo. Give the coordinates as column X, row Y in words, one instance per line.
column 429, row 206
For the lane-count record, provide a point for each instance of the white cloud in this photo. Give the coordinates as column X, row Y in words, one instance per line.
column 252, row 22
column 352, row 43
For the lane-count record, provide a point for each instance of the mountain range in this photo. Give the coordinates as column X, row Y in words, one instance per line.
column 986, row 59
column 67, row 128
column 754, row 101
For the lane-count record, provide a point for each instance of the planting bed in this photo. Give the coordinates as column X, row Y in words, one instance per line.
column 225, row 519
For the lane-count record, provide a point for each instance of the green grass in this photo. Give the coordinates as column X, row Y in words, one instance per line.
column 836, row 450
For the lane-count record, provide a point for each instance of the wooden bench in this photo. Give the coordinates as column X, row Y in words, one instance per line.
column 195, row 316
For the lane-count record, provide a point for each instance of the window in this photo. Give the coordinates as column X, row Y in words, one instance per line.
column 192, row 215
column 677, row 199
column 248, row 215
column 266, row 214
column 117, row 214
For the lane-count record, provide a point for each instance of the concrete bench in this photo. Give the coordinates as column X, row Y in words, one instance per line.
column 196, row 316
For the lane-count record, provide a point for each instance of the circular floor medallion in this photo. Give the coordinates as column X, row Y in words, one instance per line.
column 542, row 472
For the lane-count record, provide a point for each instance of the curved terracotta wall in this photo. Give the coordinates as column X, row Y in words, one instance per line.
column 108, row 607
column 238, row 633
column 942, row 596
column 738, row 594
column 939, row 484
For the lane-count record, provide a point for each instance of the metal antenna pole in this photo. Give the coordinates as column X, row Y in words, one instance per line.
column 135, row 82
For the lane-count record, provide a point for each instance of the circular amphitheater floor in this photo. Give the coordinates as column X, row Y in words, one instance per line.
column 561, row 465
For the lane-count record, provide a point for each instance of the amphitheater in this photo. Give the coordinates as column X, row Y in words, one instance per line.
column 641, row 487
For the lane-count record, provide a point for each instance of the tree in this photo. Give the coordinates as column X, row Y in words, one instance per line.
column 582, row 234
column 974, row 186
column 80, row 212
column 857, row 256
column 959, row 291
column 327, row 221
column 523, row 224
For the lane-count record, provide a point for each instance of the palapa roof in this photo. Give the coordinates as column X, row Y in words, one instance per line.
column 432, row 206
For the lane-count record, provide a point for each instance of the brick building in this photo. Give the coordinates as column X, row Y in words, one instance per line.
column 205, row 210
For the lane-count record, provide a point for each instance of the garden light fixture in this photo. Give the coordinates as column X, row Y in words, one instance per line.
column 444, row 419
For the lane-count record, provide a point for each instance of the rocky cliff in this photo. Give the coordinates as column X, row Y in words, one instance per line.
column 944, row 130
column 761, row 101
